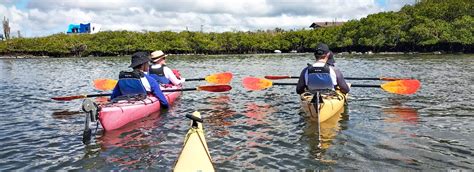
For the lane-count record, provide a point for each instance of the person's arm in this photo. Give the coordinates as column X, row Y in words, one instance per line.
column 300, row 88
column 155, row 88
column 170, row 75
column 341, row 82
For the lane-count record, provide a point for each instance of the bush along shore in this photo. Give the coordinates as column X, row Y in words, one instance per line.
column 428, row 26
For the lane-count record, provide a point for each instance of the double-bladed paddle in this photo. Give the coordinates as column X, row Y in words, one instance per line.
column 217, row 78
column 397, row 87
column 276, row 77
column 209, row 88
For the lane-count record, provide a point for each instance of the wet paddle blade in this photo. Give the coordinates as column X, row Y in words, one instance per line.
column 105, row 84
column 219, row 78
column 69, row 98
column 215, row 88
column 252, row 83
column 402, row 86
column 277, row 77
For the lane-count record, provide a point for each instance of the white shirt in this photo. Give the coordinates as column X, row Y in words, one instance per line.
column 169, row 74
column 146, row 84
column 332, row 73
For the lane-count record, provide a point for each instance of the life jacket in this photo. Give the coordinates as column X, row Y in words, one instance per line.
column 159, row 75
column 318, row 78
column 130, row 83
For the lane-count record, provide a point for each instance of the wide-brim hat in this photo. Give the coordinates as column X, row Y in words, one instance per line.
column 139, row 58
column 321, row 49
column 157, row 55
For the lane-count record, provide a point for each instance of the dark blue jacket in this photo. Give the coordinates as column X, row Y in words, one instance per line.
column 155, row 89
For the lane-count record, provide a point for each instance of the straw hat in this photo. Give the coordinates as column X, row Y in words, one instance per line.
column 157, row 55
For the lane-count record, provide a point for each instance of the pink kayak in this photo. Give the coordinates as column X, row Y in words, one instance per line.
column 116, row 115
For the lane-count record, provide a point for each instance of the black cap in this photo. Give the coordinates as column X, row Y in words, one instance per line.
column 139, row 58
column 321, row 49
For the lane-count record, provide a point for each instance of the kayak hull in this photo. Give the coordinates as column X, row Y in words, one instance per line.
column 194, row 155
column 115, row 115
column 330, row 106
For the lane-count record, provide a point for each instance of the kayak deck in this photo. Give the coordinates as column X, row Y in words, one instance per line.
column 194, row 155
column 115, row 115
column 331, row 105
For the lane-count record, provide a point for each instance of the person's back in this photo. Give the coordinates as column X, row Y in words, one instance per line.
column 137, row 83
column 161, row 72
column 321, row 75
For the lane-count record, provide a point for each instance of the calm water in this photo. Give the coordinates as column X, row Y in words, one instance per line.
column 433, row 129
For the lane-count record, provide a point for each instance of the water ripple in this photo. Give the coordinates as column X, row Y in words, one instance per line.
column 261, row 130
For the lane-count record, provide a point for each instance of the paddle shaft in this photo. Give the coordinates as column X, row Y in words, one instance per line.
column 196, row 79
column 170, row 90
column 352, row 85
column 98, row 95
column 348, row 78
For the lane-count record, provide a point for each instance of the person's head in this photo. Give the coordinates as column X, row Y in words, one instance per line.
column 158, row 57
column 140, row 61
column 322, row 52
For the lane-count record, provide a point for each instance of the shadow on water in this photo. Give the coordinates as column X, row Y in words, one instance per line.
column 65, row 114
column 321, row 141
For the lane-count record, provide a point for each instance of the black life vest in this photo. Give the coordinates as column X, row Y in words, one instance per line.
column 158, row 71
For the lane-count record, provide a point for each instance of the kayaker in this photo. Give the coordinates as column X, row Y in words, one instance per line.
column 331, row 60
column 162, row 73
column 321, row 75
column 138, row 82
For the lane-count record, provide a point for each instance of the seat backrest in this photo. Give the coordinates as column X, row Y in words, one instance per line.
column 160, row 79
column 318, row 79
column 131, row 86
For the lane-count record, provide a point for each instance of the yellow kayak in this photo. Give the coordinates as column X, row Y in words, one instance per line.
column 195, row 155
column 331, row 105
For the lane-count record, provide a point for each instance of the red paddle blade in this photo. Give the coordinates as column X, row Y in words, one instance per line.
column 105, row 84
column 215, row 88
column 219, row 78
column 69, row 98
column 277, row 77
column 402, row 86
column 252, row 83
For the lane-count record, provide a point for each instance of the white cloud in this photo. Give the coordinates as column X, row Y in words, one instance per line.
column 46, row 17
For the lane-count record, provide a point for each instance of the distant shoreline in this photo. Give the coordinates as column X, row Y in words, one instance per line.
column 26, row 56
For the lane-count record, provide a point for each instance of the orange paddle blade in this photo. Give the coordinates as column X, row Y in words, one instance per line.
column 215, row 88
column 105, row 84
column 277, row 77
column 402, row 86
column 219, row 78
column 252, row 83
column 69, row 98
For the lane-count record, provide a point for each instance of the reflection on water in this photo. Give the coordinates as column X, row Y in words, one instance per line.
column 219, row 114
column 137, row 135
column 320, row 141
column 401, row 114
column 428, row 131
column 134, row 134
column 256, row 113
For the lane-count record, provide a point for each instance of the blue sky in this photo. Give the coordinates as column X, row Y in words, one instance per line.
column 45, row 17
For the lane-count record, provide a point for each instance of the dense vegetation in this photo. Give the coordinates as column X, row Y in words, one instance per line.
column 431, row 25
